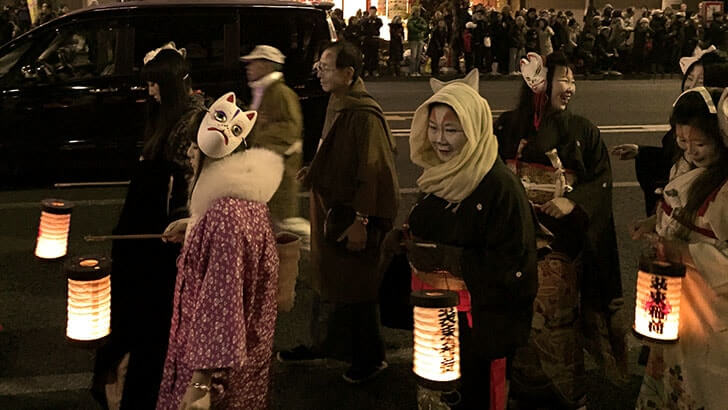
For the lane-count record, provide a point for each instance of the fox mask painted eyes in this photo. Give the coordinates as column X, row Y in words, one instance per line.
column 224, row 127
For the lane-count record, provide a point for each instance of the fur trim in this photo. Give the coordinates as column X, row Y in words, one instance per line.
column 253, row 174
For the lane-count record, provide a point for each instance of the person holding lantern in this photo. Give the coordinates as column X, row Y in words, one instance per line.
column 691, row 228
column 221, row 335
column 478, row 231
column 564, row 166
column 128, row 370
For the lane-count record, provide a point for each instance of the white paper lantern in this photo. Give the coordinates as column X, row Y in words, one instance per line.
column 55, row 222
column 436, row 358
column 657, row 303
column 89, row 299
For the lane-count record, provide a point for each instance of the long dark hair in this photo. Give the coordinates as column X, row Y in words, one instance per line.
column 170, row 70
column 691, row 109
column 523, row 120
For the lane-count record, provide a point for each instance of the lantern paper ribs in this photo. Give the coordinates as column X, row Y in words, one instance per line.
column 657, row 304
column 436, row 338
column 55, row 222
column 89, row 299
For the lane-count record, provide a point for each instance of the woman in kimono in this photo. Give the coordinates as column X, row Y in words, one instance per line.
column 129, row 369
column 476, row 213
column 691, row 228
column 224, row 313
column 564, row 166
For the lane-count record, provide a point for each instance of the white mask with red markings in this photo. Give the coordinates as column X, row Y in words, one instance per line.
column 224, row 127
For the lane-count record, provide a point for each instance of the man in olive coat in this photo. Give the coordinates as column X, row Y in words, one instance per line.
column 279, row 126
column 351, row 174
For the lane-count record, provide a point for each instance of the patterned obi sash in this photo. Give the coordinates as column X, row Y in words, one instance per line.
column 543, row 183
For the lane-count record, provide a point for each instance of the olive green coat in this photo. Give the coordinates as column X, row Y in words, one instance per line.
column 280, row 125
column 353, row 167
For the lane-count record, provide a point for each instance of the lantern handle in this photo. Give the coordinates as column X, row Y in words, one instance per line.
column 99, row 238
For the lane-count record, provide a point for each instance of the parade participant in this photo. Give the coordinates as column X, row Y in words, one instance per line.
column 354, row 199
column 279, row 127
column 156, row 196
column 477, row 209
column 652, row 164
column 224, row 314
column 690, row 228
column 564, row 166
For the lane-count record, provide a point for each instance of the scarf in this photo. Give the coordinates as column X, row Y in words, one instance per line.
column 258, row 87
column 457, row 178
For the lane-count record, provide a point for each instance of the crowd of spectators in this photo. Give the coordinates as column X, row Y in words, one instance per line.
column 456, row 36
column 15, row 19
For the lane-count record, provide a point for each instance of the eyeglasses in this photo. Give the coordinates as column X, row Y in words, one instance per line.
column 320, row 68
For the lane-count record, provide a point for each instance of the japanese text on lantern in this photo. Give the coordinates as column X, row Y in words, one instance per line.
column 657, row 305
column 447, row 319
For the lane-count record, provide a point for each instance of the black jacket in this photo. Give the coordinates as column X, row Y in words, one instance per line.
column 494, row 228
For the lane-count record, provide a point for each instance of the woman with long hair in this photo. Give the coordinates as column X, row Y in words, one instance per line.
column 143, row 271
column 690, row 229
column 564, row 166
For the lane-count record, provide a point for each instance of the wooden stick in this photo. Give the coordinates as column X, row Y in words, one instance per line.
column 98, row 238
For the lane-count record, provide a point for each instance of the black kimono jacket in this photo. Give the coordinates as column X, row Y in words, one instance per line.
column 582, row 150
column 494, row 227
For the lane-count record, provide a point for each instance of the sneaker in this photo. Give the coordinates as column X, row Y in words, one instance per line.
column 357, row 376
column 299, row 353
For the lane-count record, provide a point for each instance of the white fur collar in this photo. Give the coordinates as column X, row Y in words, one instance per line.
column 253, row 174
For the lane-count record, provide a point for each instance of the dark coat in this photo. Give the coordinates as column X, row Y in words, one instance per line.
column 354, row 168
column 581, row 149
column 396, row 35
column 495, row 229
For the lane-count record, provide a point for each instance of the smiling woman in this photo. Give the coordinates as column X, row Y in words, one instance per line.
column 566, row 164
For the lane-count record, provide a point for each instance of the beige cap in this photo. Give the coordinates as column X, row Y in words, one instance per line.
column 265, row 53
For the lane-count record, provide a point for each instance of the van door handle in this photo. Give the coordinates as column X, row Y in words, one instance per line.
column 103, row 90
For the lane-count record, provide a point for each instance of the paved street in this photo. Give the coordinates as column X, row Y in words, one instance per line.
column 40, row 370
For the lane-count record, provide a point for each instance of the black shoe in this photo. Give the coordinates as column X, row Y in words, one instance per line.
column 356, row 376
column 299, row 353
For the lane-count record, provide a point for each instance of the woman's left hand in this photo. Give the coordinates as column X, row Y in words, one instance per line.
column 672, row 250
column 195, row 399
column 558, row 207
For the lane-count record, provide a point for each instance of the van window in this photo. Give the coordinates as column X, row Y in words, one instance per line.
column 299, row 34
column 68, row 53
column 201, row 35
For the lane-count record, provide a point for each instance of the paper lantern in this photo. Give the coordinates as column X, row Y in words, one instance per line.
column 55, row 221
column 89, row 299
column 657, row 303
column 436, row 360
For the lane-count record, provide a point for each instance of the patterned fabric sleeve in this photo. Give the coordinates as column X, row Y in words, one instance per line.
column 217, row 334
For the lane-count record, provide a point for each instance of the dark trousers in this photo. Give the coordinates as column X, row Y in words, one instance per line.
column 348, row 331
column 371, row 54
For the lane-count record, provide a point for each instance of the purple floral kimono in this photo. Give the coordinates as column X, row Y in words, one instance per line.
column 224, row 305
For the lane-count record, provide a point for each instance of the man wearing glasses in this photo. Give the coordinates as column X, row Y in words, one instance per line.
column 354, row 199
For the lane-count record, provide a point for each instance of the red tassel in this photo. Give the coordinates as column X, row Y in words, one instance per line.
column 539, row 102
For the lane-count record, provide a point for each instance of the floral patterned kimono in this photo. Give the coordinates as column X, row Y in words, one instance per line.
column 225, row 296
column 693, row 373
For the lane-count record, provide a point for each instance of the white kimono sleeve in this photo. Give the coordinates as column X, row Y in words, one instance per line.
column 711, row 259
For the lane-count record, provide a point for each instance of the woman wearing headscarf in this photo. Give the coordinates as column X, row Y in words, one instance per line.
column 691, row 228
column 476, row 210
column 156, row 196
column 564, row 166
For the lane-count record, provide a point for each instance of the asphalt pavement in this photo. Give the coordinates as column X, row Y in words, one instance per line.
column 40, row 370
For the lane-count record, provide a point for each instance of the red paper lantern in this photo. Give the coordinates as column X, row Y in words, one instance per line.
column 89, row 299
column 657, row 303
column 55, row 222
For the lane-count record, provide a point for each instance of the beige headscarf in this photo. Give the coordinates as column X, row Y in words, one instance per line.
column 457, row 178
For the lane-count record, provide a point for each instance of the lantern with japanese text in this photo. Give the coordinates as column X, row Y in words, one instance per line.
column 89, row 299
column 55, row 222
column 436, row 360
column 657, row 303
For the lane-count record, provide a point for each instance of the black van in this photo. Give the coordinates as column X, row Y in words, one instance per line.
column 72, row 106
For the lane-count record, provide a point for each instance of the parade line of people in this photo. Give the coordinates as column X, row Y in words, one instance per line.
column 520, row 210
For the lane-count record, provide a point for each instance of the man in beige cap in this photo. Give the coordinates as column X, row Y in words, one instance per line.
column 279, row 127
